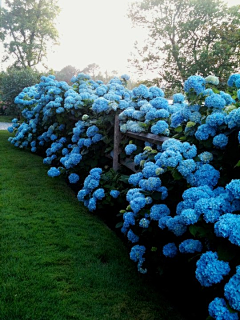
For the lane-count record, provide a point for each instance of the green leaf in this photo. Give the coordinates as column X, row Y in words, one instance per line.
column 153, row 249
column 237, row 165
column 225, row 253
column 183, row 138
column 176, row 175
column 215, row 90
column 178, row 129
column 198, row 231
column 119, row 225
column 190, row 124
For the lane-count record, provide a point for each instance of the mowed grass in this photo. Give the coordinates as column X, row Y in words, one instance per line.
column 58, row 261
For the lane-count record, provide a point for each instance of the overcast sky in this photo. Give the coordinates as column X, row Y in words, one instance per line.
column 95, row 31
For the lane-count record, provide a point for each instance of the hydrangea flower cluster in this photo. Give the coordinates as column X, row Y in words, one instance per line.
column 218, row 310
column 210, row 270
column 90, row 192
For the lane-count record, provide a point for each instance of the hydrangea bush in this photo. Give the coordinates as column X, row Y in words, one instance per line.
column 182, row 203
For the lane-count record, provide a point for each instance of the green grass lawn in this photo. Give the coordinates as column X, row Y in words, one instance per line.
column 58, row 261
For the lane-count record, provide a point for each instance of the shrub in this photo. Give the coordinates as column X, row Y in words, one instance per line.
column 182, row 204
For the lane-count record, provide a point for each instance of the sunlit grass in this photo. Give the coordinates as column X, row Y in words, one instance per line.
column 58, row 261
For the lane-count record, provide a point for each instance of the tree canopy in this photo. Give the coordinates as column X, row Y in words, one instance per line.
column 187, row 37
column 27, row 28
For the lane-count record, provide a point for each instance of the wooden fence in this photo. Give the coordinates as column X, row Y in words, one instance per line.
column 149, row 137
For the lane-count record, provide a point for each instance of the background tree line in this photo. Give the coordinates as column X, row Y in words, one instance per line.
column 185, row 37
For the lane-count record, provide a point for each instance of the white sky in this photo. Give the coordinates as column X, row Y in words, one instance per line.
column 95, row 31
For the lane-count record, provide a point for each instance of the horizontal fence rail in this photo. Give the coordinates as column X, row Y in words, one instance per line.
column 148, row 137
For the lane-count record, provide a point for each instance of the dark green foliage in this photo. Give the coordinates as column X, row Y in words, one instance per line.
column 13, row 81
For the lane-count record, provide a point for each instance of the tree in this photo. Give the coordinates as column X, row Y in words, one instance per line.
column 27, row 27
column 13, row 81
column 187, row 37
column 66, row 74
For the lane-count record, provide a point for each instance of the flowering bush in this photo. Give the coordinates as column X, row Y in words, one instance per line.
column 183, row 201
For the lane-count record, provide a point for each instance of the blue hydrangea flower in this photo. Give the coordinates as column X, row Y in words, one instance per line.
column 156, row 92
column 233, row 118
column 132, row 236
column 195, row 117
column 215, row 119
column 96, row 173
column 114, row 193
column 130, row 148
column 218, row 310
column 135, row 178
column 188, row 151
column 133, row 193
column 141, row 91
column 231, row 290
column 225, row 225
column 136, row 254
column 144, row 223
column 176, row 225
column 53, row 172
column 227, row 97
column 150, row 169
column 178, row 98
column 125, row 77
column 92, row 204
column 162, row 222
column 91, row 131
column 234, row 188
column 73, row 178
column 211, row 208
column 189, row 216
column 159, row 103
column 129, row 219
column 186, row 167
column 196, row 193
column 159, row 211
column 99, row 194
column 204, row 175
column 215, row 101
column 150, row 184
column 206, row 156
column 159, row 127
column 137, row 203
column 172, row 144
column 190, row 246
column 204, row 131
column 100, row 104
column 170, row 250
column 170, row 158
column 195, row 83
column 10, row 129
column 210, row 270
column 220, row 141
column 232, row 79
column 176, row 119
